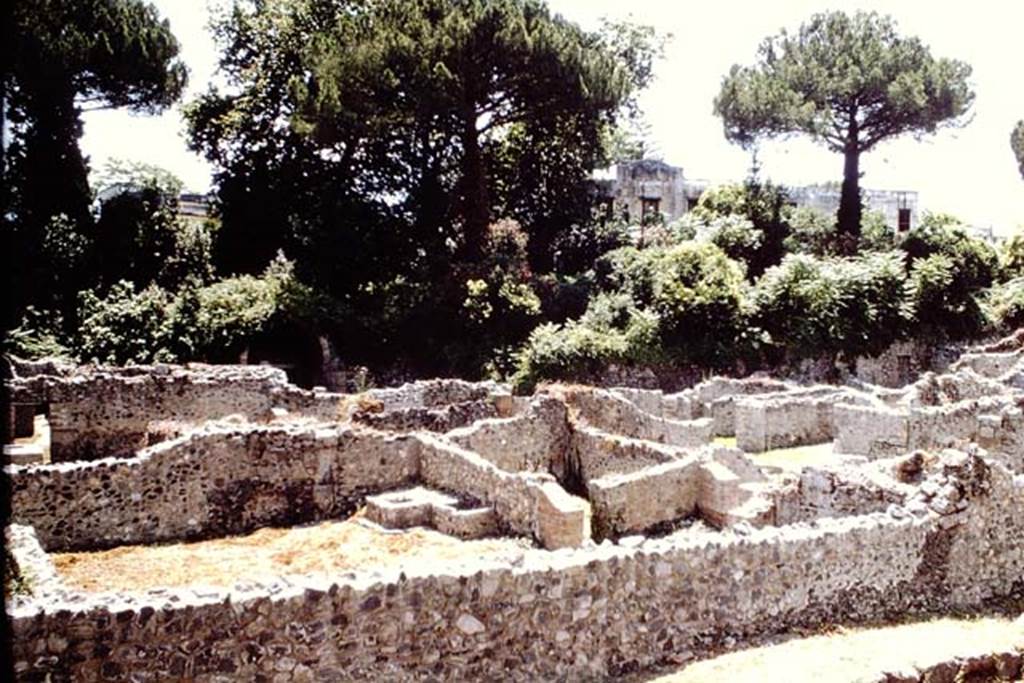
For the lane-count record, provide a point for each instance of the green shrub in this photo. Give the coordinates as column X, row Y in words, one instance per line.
column 1011, row 257
column 764, row 205
column 681, row 304
column 613, row 330
column 125, row 326
column 875, row 233
column 942, row 304
column 38, row 335
column 814, row 232
column 209, row 322
column 1007, row 304
column 975, row 263
column 734, row 235
column 811, row 305
column 576, row 249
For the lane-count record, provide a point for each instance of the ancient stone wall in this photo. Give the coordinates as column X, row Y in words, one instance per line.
column 210, row 483
column 614, row 413
column 793, row 418
column 837, row 491
column 584, row 614
column 530, row 441
column 99, row 412
column 96, row 412
column 882, row 431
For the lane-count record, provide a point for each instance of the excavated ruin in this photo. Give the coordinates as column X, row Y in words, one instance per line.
column 651, row 528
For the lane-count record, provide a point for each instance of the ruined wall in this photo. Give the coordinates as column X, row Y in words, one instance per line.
column 613, row 413
column 574, row 614
column 96, row 412
column 633, row 502
column 794, row 418
column 99, row 412
column 836, row 492
column 877, row 431
column 207, row 484
column 595, row 453
column 218, row 481
column 530, row 441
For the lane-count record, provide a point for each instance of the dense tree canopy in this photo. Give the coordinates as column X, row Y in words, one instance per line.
column 848, row 81
column 443, row 115
column 60, row 58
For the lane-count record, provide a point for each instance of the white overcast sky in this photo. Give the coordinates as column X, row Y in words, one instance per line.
column 969, row 171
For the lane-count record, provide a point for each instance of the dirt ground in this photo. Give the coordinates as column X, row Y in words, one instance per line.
column 789, row 458
column 861, row 654
column 329, row 547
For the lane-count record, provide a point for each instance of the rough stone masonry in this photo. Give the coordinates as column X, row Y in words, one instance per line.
column 652, row 542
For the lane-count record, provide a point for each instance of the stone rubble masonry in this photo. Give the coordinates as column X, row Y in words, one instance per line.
column 422, row 507
column 719, row 484
column 529, row 441
column 993, row 666
column 797, row 417
column 712, row 398
column 882, row 431
column 610, row 412
column 840, row 490
column 101, row 411
column 580, row 614
column 220, row 481
column 885, row 531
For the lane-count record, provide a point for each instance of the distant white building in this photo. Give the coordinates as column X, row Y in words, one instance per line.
column 646, row 188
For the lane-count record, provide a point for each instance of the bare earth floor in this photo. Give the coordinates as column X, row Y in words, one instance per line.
column 861, row 654
column 268, row 553
column 793, row 458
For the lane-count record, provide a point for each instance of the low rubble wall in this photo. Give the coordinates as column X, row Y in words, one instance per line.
column 586, row 614
column 794, row 418
column 210, row 483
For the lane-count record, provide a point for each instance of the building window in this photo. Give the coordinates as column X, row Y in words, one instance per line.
column 904, row 220
column 692, row 202
column 649, row 210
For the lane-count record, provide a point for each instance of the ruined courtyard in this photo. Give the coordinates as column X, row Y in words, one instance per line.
column 218, row 522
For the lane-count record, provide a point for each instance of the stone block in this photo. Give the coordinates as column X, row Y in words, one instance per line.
column 23, row 454
column 561, row 520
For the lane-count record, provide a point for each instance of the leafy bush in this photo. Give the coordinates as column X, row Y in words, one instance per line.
column 683, row 303
column 975, row 263
column 210, row 322
column 875, row 233
column 949, row 271
column 1007, row 303
column 126, row 325
column 814, row 232
column 940, row 301
column 143, row 238
column 39, row 335
column 1011, row 257
column 576, row 249
column 613, row 330
column 734, row 235
column 764, row 205
column 811, row 305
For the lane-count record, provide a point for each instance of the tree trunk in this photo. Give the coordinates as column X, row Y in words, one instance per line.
column 850, row 209
column 476, row 212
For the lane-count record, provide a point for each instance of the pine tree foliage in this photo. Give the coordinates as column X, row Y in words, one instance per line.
column 850, row 81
